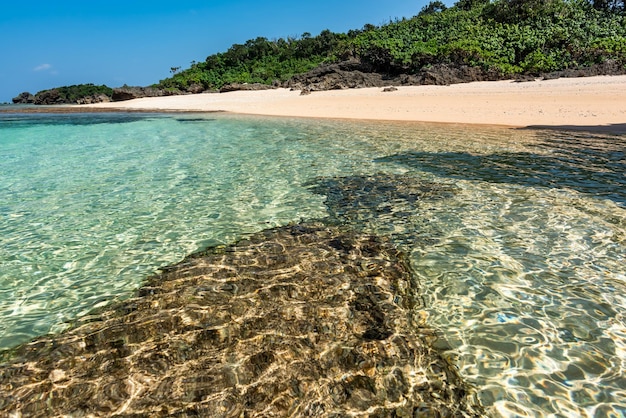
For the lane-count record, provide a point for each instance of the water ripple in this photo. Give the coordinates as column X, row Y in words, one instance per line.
column 518, row 238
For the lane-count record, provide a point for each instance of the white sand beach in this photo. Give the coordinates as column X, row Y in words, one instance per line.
column 589, row 102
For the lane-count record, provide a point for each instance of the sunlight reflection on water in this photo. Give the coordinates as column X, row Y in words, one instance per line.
column 517, row 237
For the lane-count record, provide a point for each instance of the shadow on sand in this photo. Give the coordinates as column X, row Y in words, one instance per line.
column 614, row 128
column 579, row 161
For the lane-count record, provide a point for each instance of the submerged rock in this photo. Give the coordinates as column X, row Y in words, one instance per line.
column 376, row 193
column 304, row 320
column 386, row 204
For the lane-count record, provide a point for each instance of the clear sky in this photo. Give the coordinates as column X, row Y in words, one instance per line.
column 50, row 43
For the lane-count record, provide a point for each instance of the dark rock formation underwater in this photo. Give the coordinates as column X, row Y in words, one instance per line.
column 302, row 320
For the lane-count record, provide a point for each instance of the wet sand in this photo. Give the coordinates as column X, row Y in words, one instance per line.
column 590, row 102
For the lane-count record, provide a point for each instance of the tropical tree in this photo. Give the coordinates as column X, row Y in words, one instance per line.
column 608, row 5
column 433, row 7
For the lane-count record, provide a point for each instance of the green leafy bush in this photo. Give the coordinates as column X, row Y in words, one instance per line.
column 260, row 61
column 507, row 36
column 71, row 94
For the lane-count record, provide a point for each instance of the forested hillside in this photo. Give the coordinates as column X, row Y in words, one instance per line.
column 472, row 40
column 508, row 37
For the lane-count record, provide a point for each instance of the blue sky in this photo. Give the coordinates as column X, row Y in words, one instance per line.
column 46, row 44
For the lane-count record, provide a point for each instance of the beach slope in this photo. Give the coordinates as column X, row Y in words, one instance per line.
column 567, row 102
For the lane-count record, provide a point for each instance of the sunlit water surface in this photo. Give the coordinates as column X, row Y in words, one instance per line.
column 521, row 261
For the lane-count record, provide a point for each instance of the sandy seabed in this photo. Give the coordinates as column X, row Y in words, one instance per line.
column 589, row 102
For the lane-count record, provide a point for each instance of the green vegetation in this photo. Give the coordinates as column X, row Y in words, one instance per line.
column 511, row 37
column 71, row 94
column 505, row 36
column 259, row 61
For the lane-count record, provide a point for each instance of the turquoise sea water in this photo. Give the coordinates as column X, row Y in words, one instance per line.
column 521, row 263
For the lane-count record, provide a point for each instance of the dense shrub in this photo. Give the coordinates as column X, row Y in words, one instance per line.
column 71, row 94
column 511, row 36
column 260, row 61
column 506, row 36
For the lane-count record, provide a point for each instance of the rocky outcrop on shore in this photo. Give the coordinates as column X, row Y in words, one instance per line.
column 96, row 98
column 24, row 98
column 343, row 75
column 354, row 74
column 610, row 67
column 54, row 97
column 246, row 87
column 129, row 93
column 49, row 97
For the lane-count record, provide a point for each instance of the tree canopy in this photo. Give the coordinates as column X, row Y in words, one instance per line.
column 506, row 36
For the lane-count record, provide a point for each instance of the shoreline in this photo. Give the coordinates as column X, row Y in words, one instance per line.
column 586, row 103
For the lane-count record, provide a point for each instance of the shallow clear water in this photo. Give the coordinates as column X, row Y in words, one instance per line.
column 521, row 260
